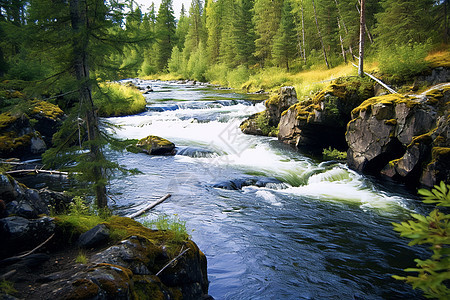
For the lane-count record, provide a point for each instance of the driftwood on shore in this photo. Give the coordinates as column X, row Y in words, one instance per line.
column 37, row 171
column 148, row 207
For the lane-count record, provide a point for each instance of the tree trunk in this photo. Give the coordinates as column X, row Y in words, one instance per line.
column 365, row 25
column 345, row 28
column 342, row 42
column 320, row 36
column 303, row 35
column 81, row 68
column 362, row 23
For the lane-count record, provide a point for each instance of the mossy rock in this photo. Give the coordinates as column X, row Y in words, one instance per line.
column 155, row 145
column 387, row 100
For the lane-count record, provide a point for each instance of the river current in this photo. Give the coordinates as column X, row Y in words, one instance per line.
column 273, row 223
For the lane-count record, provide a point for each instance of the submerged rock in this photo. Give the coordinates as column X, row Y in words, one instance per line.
column 403, row 137
column 155, row 145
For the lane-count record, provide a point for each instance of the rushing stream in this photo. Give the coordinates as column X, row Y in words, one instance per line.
column 273, row 223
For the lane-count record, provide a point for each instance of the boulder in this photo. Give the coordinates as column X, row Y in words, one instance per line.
column 20, row 200
column 320, row 122
column 96, row 236
column 266, row 122
column 155, row 145
column 19, row 234
column 21, row 138
column 402, row 137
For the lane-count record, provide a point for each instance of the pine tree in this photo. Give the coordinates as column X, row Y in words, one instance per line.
column 214, row 24
column 182, row 28
column 165, row 33
column 267, row 15
column 405, row 21
column 285, row 41
column 196, row 26
column 244, row 31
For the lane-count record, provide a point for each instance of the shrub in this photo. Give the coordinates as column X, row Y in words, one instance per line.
column 403, row 61
column 334, row 154
column 114, row 99
column 434, row 273
column 81, row 258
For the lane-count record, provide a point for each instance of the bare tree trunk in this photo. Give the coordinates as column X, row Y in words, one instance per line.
column 342, row 42
column 365, row 25
column 362, row 23
column 320, row 36
column 81, row 67
column 303, row 35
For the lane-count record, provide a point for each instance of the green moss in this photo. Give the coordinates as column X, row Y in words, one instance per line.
column 391, row 122
column 440, row 152
column 9, row 142
column 390, row 99
column 152, row 142
column 6, row 119
column 273, row 100
column 148, row 287
column 45, row 109
column 83, row 289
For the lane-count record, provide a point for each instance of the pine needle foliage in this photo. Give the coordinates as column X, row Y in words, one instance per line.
column 433, row 274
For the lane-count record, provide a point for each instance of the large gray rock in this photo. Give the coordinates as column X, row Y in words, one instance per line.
column 320, row 122
column 96, row 236
column 19, row 234
column 402, row 137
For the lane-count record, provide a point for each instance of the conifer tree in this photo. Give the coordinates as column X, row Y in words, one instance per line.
column 405, row 21
column 165, row 33
column 267, row 15
column 196, row 26
column 244, row 31
column 285, row 41
column 182, row 28
column 214, row 14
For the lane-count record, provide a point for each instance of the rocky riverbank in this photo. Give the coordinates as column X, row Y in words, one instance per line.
column 86, row 257
column 404, row 137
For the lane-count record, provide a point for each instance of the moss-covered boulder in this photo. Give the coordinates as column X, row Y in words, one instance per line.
column 136, row 267
column 402, row 137
column 320, row 122
column 266, row 122
column 155, row 145
column 27, row 128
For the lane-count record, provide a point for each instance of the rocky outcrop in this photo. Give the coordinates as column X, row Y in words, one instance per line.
column 403, row 137
column 320, row 122
column 266, row 122
column 123, row 259
column 28, row 130
column 154, row 145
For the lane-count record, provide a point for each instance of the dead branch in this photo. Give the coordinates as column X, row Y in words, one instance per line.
column 173, row 260
column 391, row 90
column 153, row 204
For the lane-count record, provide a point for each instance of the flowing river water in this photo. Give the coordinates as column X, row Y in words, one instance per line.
column 273, row 223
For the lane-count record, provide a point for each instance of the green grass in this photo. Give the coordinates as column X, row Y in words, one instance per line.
column 7, row 287
column 81, row 258
column 115, row 99
column 168, row 223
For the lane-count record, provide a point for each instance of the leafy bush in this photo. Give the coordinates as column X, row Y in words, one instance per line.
column 403, row 61
column 434, row 273
column 114, row 99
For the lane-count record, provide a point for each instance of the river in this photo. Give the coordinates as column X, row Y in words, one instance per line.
column 273, row 223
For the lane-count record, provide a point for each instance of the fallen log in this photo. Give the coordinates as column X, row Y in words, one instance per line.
column 391, row 90
column 37, row 171
column 150, row 206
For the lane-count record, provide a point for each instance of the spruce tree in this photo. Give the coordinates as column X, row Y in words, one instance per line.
column 214, row 12
column 182, row 28
column 245, row 32
column 285, row 41
column 267, row 15
column 165, row 33
column 405, row 21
